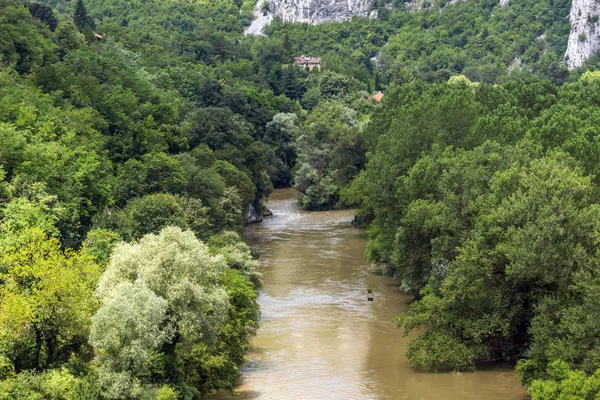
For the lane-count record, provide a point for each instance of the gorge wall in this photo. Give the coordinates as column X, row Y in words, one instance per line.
column 260, row 22
column 319, row 11
column 584, row 39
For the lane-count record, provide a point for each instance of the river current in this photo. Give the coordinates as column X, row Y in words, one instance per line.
column 320, row 338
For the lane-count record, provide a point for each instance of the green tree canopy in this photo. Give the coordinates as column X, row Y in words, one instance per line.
column 46, row 301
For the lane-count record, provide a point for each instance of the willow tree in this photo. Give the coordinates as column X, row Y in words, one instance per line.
column 161, row 298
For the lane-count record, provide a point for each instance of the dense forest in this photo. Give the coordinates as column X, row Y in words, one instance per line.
column 126, row 181
column 484, row 200
column 137, row 137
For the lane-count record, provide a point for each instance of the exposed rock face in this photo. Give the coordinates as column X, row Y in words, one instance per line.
column 585, row 29
column 261, row 21
column 254, row 215
column 319, row 11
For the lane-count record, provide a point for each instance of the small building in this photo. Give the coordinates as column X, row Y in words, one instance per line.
column 308, row 62
column 98, row 36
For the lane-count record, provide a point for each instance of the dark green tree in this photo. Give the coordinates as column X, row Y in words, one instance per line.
column 81, row 18
column 44, row 13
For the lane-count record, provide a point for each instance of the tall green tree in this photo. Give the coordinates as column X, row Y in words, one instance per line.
column 81, row 19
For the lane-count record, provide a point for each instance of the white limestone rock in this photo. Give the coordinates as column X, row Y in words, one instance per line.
column 319, row 11
column 584, row 39
column 260, row 21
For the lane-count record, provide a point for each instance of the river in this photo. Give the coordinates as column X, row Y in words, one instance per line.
column 320, row 338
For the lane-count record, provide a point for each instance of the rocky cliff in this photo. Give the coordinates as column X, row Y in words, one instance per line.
column 261, row 20
column 254, row 215
column 584, row 39
column 585, row 30
column 319, row 11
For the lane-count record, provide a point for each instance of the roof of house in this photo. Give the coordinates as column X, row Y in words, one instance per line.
column 377, row 96
column 307, row 60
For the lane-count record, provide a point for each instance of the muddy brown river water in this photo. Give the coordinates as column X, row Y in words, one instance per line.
column 320, row 338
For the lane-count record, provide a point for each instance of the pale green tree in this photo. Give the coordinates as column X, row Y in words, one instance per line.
column 127, row 331
column 237, row 255
column 177, row 267
column 231, row 206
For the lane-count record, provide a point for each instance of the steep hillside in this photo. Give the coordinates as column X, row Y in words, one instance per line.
column 120, row 118
column 477, row 38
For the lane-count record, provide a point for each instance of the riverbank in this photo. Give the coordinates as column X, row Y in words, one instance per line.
column 320, row 338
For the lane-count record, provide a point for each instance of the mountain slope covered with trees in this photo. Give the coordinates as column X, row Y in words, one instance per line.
column 137, row 136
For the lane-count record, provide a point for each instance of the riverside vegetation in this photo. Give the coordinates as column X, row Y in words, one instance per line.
column 129, row 164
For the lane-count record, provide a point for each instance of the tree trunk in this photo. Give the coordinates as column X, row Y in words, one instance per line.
column 38, row 347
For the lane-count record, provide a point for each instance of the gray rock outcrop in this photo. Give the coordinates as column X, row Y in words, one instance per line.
column 319, row 11
column 260, row 22
column 254, row 215
column 584, row 39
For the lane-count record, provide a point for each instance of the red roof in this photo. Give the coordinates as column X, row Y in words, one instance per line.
column 307, row 60
column 378, row 96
